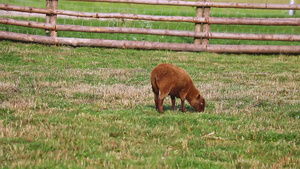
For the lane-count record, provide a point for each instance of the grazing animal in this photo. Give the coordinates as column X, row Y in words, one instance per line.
column 168, row 79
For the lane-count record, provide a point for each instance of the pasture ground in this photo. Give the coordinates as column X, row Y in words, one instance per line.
column 84, row 107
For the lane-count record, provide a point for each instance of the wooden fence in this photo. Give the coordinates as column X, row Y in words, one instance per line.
column 201, row 33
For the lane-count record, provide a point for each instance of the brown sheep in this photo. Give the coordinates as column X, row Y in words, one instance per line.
column 168, row 79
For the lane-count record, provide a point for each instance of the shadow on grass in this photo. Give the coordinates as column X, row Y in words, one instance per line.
column 177, row 108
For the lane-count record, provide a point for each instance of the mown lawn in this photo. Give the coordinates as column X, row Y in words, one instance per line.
column 93, row 107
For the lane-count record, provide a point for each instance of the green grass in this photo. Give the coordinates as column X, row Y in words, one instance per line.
column 93, row 107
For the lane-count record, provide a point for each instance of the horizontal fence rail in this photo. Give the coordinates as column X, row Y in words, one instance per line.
column 149, row 45
column 202, row 4
column 203, row 33
column 210, row 20
column 215, row 35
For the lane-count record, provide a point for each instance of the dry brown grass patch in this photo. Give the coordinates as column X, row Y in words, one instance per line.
column 111, row 96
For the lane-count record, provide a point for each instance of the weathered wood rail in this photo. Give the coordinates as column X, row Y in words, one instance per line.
column 201, row 34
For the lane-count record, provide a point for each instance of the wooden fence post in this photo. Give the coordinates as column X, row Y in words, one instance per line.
column 199, row 14
column 52, row 18
column 48, row 6
column 206, row 26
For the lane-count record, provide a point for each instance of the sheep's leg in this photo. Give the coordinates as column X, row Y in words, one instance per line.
column 163, row 93
column 182, row 105
column 173, row 102
column 156, row 101
column 160, row 105
column 161, row 97
column 182, row 95
column 156, row 94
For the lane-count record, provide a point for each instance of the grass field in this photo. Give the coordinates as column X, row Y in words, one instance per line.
column 64, row 107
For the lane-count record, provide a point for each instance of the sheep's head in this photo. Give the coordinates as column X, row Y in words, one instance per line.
column 199, row 103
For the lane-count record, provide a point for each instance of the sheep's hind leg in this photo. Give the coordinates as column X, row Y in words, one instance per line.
column 160, row 105
column 156, row 101
column 161, row 97
column 173, row 102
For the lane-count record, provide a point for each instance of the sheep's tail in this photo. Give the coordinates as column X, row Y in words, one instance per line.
column 155, row 88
